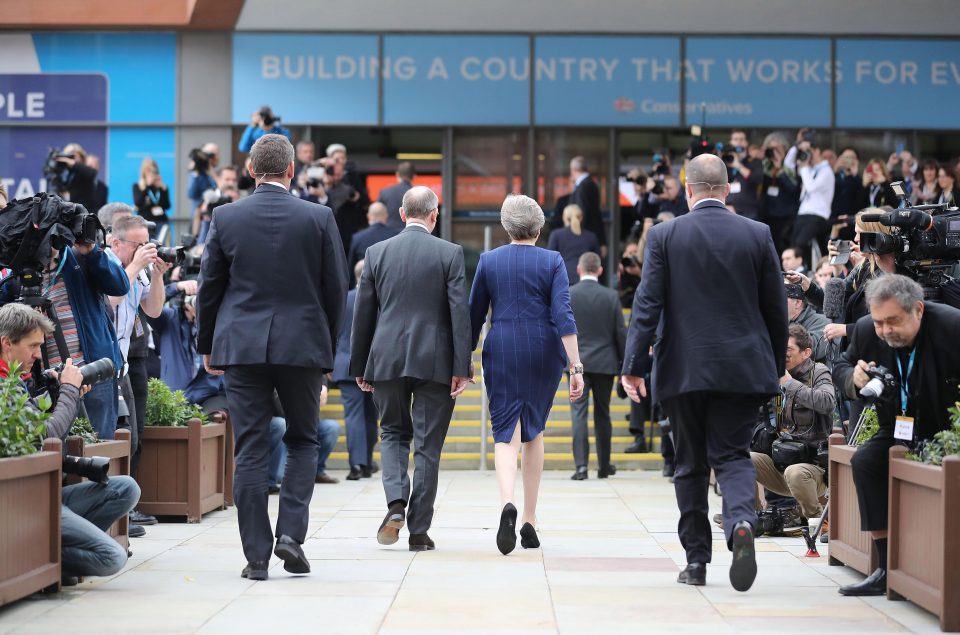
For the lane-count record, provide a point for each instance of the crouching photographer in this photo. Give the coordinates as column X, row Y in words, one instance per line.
column 790, row 465
column 88, row 508
column 915, row 340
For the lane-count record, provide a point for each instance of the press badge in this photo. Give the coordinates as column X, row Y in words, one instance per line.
column 735, row 187
column 773, row 190
column 904, row 429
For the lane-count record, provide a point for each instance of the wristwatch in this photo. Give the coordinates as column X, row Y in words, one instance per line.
column 576, row 369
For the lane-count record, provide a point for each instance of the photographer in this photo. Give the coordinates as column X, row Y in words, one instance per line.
column 781, row 189
column 262, row 122
column 746, row 177
column 915, row 341
column 75, row 178
column 203, row 162
column 673, row 199
column 807, row 418
column 876, row 186
column 802, row 314
column 848, row 194
column 646, row 190
column 88, row 508
column 816, row 196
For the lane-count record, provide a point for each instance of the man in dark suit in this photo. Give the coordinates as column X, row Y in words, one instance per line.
column 713, row 295
column 601, row 335
column 392, row 196
column 377, row 231
column 270, row 304
column 586, row 194
column 411, row 347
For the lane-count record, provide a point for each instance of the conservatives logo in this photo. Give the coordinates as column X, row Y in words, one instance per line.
column 624, row 104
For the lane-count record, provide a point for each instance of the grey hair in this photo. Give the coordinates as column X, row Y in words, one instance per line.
column 521, row 216
column 589, row 262
column 125, row 224
column 108, row 211
column 578, row 163
column 779, row 138
column 333, row 148
column 894, row 287
column 419, row 201
column 706, row 173
column 18, row 321
column 271, row 155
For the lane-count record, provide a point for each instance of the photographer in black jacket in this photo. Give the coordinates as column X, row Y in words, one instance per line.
column 76, row 180
column 916, row 342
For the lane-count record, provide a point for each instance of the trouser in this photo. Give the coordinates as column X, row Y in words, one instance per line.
column 808, row 228
column 250, row 403
column 871, row 471
column 712, row 430
column 138, row 383
column 101, row 405
column 600, row 385
column 667, row 450
column 639, row 415
column 360, row 415
column 87, row 511
column 130, row 423
column 327, row 432
column 412, row 410
column 780, row 230
column 803, row 481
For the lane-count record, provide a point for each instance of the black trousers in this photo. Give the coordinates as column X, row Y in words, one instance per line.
column 871, row 471
column 601, row 387
column 138, row 384
column 712, row 430
column 250, row 402
column 807, row 228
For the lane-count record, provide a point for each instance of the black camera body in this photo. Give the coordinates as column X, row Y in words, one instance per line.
column 200, row 159
column 92, row 373
column 803, row 156
column 93, row 468
column 268, row 117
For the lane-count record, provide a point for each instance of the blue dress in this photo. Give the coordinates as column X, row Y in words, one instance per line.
column 523, row 356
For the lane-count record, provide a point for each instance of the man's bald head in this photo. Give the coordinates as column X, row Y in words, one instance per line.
column 377, row 213
column 706, row 177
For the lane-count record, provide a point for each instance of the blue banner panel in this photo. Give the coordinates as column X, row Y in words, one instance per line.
column 318, row 79
column 759, row 81
column 128, row 148
column 609, row 81
column 25, row 152
column 34, row 98
column 456, row 80
column 898, row 84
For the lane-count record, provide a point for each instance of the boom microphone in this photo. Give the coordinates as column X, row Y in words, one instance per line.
column 833, row 299
column 912, row 218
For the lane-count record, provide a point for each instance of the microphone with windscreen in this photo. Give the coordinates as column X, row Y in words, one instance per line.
column 833, row 299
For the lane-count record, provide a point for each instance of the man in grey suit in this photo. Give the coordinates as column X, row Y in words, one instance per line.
column 273, row 282
column 411, row 347
column 392, row 196
column 602, row 335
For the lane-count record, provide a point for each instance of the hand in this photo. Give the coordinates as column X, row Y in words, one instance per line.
column 364, row 386
column 798, row 278
column 636, row 387
column 144, row 255
column 856, row 257
column 216, row 372
column 833, row 247
column 786, row 377
column 85, row 389
column 458, row 385
column 255, row 119
column 68, row 161
column 160, row 267
column 831, row 331
column 71, row 374
column 188, row 287
column 324, row 395
column 800, row 134
column 893, row 159
column 860, row 376
column 576, row 386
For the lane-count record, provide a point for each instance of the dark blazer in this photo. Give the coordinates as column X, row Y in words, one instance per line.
column 392, row 197
column 364, row 239
column 587, row 196
column 713, row 293
column 936, row 370
column 273, row 282
column 571, row 247
column 411, row 317
column 601, row 334
column 341, row 364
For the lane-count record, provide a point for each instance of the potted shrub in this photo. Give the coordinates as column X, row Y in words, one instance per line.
column 181, row 470
column 29, row 496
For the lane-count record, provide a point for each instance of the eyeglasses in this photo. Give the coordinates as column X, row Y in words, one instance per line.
column 132, row 242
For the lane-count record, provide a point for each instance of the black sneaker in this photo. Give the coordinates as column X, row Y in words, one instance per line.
column 136, row 531
column 139, row 518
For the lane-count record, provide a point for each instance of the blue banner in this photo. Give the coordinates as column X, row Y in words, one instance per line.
column 758, row 81
column 318, row 79
column 53, row 97
column 25, row 153
column 451, row 80
column 609, row 81
column 898, row 84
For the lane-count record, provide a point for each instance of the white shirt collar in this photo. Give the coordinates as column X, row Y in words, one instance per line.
column 581, row 178
column 275, row 184
column 417, row 223
column 704, row 200
column 589, row 277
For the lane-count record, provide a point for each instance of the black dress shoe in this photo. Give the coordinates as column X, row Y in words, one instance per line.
column 507, row 534
column 255, row 571
column 393, row 522
column 366, row 471
column 743, row 570
column 136, row 531
column 528, row 537
column 273, row 489
column 290, row 551
column 69, row 580
column 695, row 574
column 421, row 542
column 873, row 584
column 637, row 447
column 580, row 474
column 668, row 469
column 355, row 473
column 609, row 471
column 139, row 518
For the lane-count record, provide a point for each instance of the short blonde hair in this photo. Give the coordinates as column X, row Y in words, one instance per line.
column 522, row 217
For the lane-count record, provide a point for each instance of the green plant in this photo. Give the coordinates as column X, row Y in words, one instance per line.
column 943, row 443
column 869, row 428
column 22, row 429
column 169, row 408
column 84, row 429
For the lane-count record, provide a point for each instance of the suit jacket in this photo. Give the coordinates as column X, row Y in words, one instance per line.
column 392, row 197
column 341, row 364
column 273, row 281
column 411, row 317
column 571, row 247
column 365, row 238
column 587, row 196
column 601, row 334
column 713, row 293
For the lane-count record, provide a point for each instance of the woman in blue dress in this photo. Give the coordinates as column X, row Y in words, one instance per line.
column 532, row 339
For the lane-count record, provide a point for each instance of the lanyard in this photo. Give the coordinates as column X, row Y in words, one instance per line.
column 154, row 196
column 904, row 379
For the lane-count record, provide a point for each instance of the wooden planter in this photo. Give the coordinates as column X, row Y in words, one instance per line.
column 229, row 464
column 118, row 451
column 30, row 523
column 181, row 470
column 924, row 548
column 848, row 544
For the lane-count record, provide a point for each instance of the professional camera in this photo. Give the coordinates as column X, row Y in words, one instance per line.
column 880, row 379
column 199, row 160
column 94, row 468
column 268, row 117
column 629, row 261
column 770, row 521
column 769, row 154
column 92, row 373
column 213, row 199
column 803, row 156
column 54, row 170
column 173, row 255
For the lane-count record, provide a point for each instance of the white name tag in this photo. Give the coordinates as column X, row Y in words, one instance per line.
column 156, row 210
column 904, row 429
column 735, row 187
column 773, row 190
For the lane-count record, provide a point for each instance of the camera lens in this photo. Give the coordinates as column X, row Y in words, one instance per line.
column 95, row 372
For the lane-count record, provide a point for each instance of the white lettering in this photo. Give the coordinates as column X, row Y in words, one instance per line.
column 270, row 67
column 639, row 63
column 588, row 69
column 938, row 73
column 519, row 74
column 405, row 68
column 288, row 70
column 437, row 69
column 567, row 63
column 739, row 71
column 908, row 72
column 886, row 72
column 863, row 70
column 665, row 70
column 346, row 67
column 608, row 67
column 546, row 69
column 35, row 105
column 467, row 74
column 495, row 69
column 25, row 189
column 767, row 71
column 791, row 71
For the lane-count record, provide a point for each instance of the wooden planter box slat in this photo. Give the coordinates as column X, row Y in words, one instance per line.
column 848, row 544
column 30, row 512
column 118, row 451
column 924, row 551
column 181, row 470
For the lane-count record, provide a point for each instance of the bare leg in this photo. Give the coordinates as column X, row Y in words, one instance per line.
column 505, row 462
column 532, row 468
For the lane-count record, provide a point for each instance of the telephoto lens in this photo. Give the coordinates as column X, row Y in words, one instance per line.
column 95, row 372
column 173, row 255
column 93, row 468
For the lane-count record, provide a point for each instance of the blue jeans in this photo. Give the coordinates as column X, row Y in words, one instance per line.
column 327, row 432
column 101, row 405
column 87, row 511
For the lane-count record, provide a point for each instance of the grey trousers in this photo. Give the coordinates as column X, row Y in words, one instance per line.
column 600, row 386
column 419, row 411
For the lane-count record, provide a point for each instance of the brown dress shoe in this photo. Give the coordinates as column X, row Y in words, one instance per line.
column 326, row 479
column 393, row 522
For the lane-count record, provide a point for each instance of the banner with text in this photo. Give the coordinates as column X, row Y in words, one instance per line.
column 53, row 97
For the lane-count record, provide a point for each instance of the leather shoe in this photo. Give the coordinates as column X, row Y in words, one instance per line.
column 255, row 571
column 637, row 447
column 393, row 522
column 370, row 470
column 580, row 474
column 743, row 570
column 873, row 584
column 136, row 531
column 421, row 542
column 507, row 533
column 140, row 518
column 609, row 471
column 695, row 574
column 326, row 479
column 69, row 580
column 355, row 473
column 290, row 551
column 528, row 537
